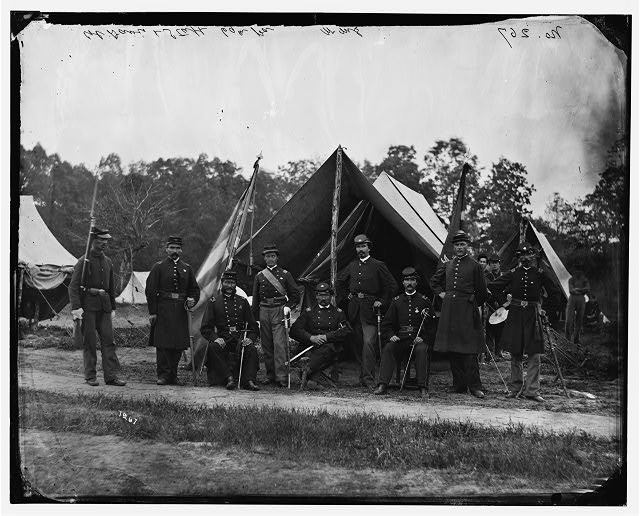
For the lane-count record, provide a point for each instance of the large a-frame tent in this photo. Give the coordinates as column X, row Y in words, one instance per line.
column 44, row 265
column 403, row 227
column 549, row 258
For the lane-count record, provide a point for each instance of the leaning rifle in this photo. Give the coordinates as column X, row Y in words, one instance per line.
column 545, row 327
column 77, row 323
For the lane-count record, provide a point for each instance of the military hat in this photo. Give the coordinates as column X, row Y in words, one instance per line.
column 460, row 236
column 100, row 233
column 361, row 239
column 323, row 288
column 494, row 258
column 525, row 248
column 270, row 248
column 174, row 240
column 483, row 255
column 408, row 273
column 229, row 275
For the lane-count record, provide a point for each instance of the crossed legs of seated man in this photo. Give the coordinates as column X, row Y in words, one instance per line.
column 319, row 359
column 223, row 366
column 392, row 352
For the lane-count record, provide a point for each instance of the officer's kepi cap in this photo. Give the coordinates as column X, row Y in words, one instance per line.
column 270, row 248
column 323, row 288
column 460, row 236
column 361, row 239
column 494, row 258
column 525, row 248
column 100, row 233
column 409, row 273
column 174, row 240
column 229, row 275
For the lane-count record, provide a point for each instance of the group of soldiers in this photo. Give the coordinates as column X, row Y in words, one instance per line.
column 403, row 325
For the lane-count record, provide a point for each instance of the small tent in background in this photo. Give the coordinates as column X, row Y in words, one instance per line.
column 44, row 266
column 549, row 259
column 133, row 293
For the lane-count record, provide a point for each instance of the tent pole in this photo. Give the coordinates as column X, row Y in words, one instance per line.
column 335, row 212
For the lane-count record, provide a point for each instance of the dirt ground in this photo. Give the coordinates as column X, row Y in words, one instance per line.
column 70, row 464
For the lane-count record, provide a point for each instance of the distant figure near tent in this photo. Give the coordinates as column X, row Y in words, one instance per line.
column 133, row 293
column 44, row 266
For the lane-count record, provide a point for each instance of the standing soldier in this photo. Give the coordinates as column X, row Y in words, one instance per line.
column 497, row 299
column 369, row 287
column 325, row 327
column 93, row 300
column 274, row 294
column 171, row 290
column 461, row 285
column 229, row 326
column 523, row 331
column 578, row 287
column 400, row 331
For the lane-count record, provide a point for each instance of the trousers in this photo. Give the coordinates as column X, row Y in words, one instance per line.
column 575, row 308
column 465, row 371
column 167, row 360
column 273, row 336
column 100, row 323
column 532, row 382
column 394, row 350
column 223, row 363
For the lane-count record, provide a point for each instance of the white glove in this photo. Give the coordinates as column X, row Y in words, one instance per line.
column 394, row 338
column 77, row 313
column 246, row 342
column 113, row 314
column 287, row 311
column 220, row 342
column 191, row 302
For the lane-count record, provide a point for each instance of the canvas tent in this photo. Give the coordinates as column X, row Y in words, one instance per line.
column 403, row 227
column 133, row 293
column 550, row 260
column 44, row 265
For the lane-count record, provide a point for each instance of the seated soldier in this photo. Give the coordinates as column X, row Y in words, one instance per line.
column 229, row 326
column 324, row 327
column 408, row 321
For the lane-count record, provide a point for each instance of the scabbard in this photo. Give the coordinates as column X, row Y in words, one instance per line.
column 151, row 332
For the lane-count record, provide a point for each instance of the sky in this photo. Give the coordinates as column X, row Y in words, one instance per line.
column 553, row 104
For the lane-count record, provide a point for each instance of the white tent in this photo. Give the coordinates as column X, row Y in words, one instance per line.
column 44, row 265
column 133, row 293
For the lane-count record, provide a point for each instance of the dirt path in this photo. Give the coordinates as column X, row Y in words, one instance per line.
column 34, row 375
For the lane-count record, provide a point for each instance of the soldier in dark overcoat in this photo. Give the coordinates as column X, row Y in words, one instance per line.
column 523, row 332
column 275, row 293
column 93, row 301
column 171, row 289
column 400, row 331
column 369, row 286
column 323, row 326
column 461, row 285
column 229, row 327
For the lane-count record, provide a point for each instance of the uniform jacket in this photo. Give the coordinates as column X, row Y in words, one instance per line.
column 496, row 299
column 263, row 289
column 460, row 328
column 225, row 316
column 330, row 321
column 522, row 332
column 404, row 317
column 167, row 277
column 371, row 278
column 98, row 275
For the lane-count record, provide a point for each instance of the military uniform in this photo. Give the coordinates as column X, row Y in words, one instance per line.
column 363, row 282
column 330, row 321
column 169, row 284
column 268, row 307
column 495, row 301
column 97, row 299
column 403, row 320
column 227, row 317
column 522, row 332
column 460, row 327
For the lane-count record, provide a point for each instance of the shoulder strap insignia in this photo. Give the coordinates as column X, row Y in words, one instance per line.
column 513, row 270
column 285, row 271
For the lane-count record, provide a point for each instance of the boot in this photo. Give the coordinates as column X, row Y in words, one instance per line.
column 231, row 384
column 304, row 378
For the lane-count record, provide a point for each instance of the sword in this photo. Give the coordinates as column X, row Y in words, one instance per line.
column 299, row 355
column 287, row 325
column 379, row 342
column 242, row 353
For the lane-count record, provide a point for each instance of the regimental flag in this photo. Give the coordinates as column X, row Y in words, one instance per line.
column 456, row 222
column 220, row 258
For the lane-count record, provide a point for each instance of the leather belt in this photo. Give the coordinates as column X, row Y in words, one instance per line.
column 360, row 295
column 96, row 291
column 408, row 328
column 177, row 296
column 522, row 303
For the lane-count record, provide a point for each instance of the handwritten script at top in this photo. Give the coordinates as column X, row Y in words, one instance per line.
column 176, row 32
column 509, row 33
column 328, row 31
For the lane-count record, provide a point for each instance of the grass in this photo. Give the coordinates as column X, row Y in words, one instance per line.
column 357, row 441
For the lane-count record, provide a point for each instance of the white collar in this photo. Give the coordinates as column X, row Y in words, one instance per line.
column 271, row 268
column 363, row 260
column 412, row 293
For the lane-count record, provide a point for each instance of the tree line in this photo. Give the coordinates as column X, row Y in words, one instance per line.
column 144, row 202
